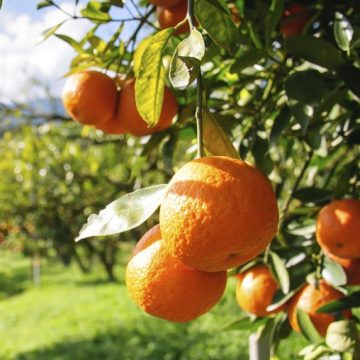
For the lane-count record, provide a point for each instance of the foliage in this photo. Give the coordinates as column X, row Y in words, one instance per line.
column 58, row 176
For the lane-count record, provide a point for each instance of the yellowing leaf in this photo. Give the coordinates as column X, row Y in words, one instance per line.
column 138, row 55
column 150, row 83
column 215, row 140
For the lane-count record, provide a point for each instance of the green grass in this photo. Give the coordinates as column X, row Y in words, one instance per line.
column 75, row 316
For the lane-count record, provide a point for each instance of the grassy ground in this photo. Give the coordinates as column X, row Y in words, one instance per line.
column 75, row 317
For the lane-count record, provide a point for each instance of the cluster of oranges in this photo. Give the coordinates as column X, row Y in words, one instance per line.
column 337, row 232
column 218, row 213
column 93, row 98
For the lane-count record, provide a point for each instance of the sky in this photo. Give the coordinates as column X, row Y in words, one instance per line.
column 23, row 60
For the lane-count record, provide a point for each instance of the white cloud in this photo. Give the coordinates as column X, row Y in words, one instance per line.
column 22, row 59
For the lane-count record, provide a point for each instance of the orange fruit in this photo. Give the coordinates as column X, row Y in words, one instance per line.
column 351, row 268
column 89, row 97
column 338, row 228
column 147, row 239
column 165, row 3
column 112, row 126
column 310, row 299
column 294, row 19
column 171, row 16
column 255, row 290
column 164, row 287
column 218, row 213
column 132, row 122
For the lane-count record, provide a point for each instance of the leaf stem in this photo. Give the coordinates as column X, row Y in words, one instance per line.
column 199, row 114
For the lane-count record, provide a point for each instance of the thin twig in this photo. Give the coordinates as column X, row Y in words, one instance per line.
column 297, row 183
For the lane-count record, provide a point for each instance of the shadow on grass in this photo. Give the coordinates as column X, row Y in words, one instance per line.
column 94, row 282
column 14, row 283
column 126, row 344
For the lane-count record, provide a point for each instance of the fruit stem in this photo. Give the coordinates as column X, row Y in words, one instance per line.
column 199, row 89
column 199, row 114
column 191, row 14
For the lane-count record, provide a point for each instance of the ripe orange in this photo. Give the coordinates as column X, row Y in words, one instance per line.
column 294, row 19
column 89, row 97
column 338, row 228
column 165, row 3
column 164, row 287
column 129, row 116
column 351, row 268
column 218, row 213
column 255, row 289
column 171, row 16
column 309, row 299
column 147, row 239
column 112, row 126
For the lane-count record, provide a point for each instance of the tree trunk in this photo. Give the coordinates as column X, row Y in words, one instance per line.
column 36, row 270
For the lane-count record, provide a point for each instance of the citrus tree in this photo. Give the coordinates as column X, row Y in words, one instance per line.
column 273, row 83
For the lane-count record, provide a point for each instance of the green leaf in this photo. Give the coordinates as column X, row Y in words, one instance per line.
column 276, row 10
column 185, row 62
column 47, row 33
column 342, row 184
column 265, row 331
column 40, row 5
column 95, row 12
column 315, row 50
column 343, row 31
column 347, row 302
column 124, row 213
column 280, row 299
column 168, row 150
column 333, row 273
column 97, row 43
column 238, row 324
column 281, row 122
column 317, row 352
column 351, row 76
column 250, row 58
column 312, row 195
column 280, row 272
column 215, row 139
column 213, row 13
column 298, row 84
column 303, row 230
column 343, row 336
column 118, row 3
column 282, row 330
column 302, row 113
column 150, row 83
column 73, row 43
column 307, row 327
column 260, row 150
